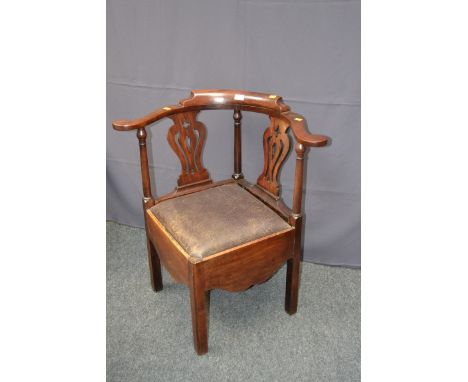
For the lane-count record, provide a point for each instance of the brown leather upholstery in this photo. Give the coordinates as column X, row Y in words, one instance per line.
column 218, row 218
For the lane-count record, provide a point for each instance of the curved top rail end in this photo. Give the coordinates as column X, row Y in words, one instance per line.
column 301, row 132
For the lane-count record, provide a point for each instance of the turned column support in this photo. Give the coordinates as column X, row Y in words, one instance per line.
column 145, row 177
column 148, row 202
column 293, row 267
column 298, row 178
column 237, row 145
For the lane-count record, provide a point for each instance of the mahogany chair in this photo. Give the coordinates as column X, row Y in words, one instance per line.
column 229, row 234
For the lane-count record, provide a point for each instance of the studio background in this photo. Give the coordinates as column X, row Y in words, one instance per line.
column 307, row 52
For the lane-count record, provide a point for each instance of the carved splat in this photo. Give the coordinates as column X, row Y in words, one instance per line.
column 187, row 137
column 275, row 148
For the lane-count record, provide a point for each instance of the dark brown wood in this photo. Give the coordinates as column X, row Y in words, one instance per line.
column 171, row 254
column 275, row 150
column 253, row 262
column 270, row 104
column 298, row 178
column 299, row 128
column 154, row 116
column 190, row 190
column 235, row 98
column 154, row 267
column 153, row 258
column 237, row 145
column 248, row 264
column 233, row 270
column 187, row 137
column 210, row 99
column 145, row 177
column 198, row 297
column 275, row 203
column 293, row 269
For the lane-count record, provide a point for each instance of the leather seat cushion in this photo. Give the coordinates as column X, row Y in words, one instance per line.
column 216, row 219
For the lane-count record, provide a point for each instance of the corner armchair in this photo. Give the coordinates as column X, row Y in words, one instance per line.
column 229, row 234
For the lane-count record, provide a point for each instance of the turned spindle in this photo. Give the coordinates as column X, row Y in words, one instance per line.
column 145, row 177
column 298, row 177
column 237, row 145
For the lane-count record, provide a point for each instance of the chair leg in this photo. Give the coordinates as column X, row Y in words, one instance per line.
column 199, row 316
column 292, row 285
column 154, row 266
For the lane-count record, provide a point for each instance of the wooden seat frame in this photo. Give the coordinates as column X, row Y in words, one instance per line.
column 248, row 264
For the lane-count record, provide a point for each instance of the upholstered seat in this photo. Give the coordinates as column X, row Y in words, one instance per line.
column 216, row 219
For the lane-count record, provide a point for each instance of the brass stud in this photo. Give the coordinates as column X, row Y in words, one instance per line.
column 166, row 108
column 272, row 96
column 298, row 119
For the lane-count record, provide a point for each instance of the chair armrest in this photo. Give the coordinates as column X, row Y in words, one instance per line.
column 301, row 133
column 156, row 115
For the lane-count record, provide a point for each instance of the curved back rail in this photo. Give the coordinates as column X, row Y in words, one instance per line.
column 187, row 137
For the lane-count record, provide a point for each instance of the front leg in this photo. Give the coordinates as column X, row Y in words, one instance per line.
column 292, row 285
column 198, row 302
column 293, row 269
column 154, row 267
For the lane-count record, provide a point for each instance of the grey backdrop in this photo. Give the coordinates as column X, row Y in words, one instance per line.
column 308, row 52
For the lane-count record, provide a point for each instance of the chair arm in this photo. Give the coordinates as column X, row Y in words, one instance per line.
column 156, row 115
column 301, row 133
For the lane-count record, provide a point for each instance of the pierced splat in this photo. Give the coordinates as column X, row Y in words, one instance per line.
column 187, row 137
column 275, row 149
